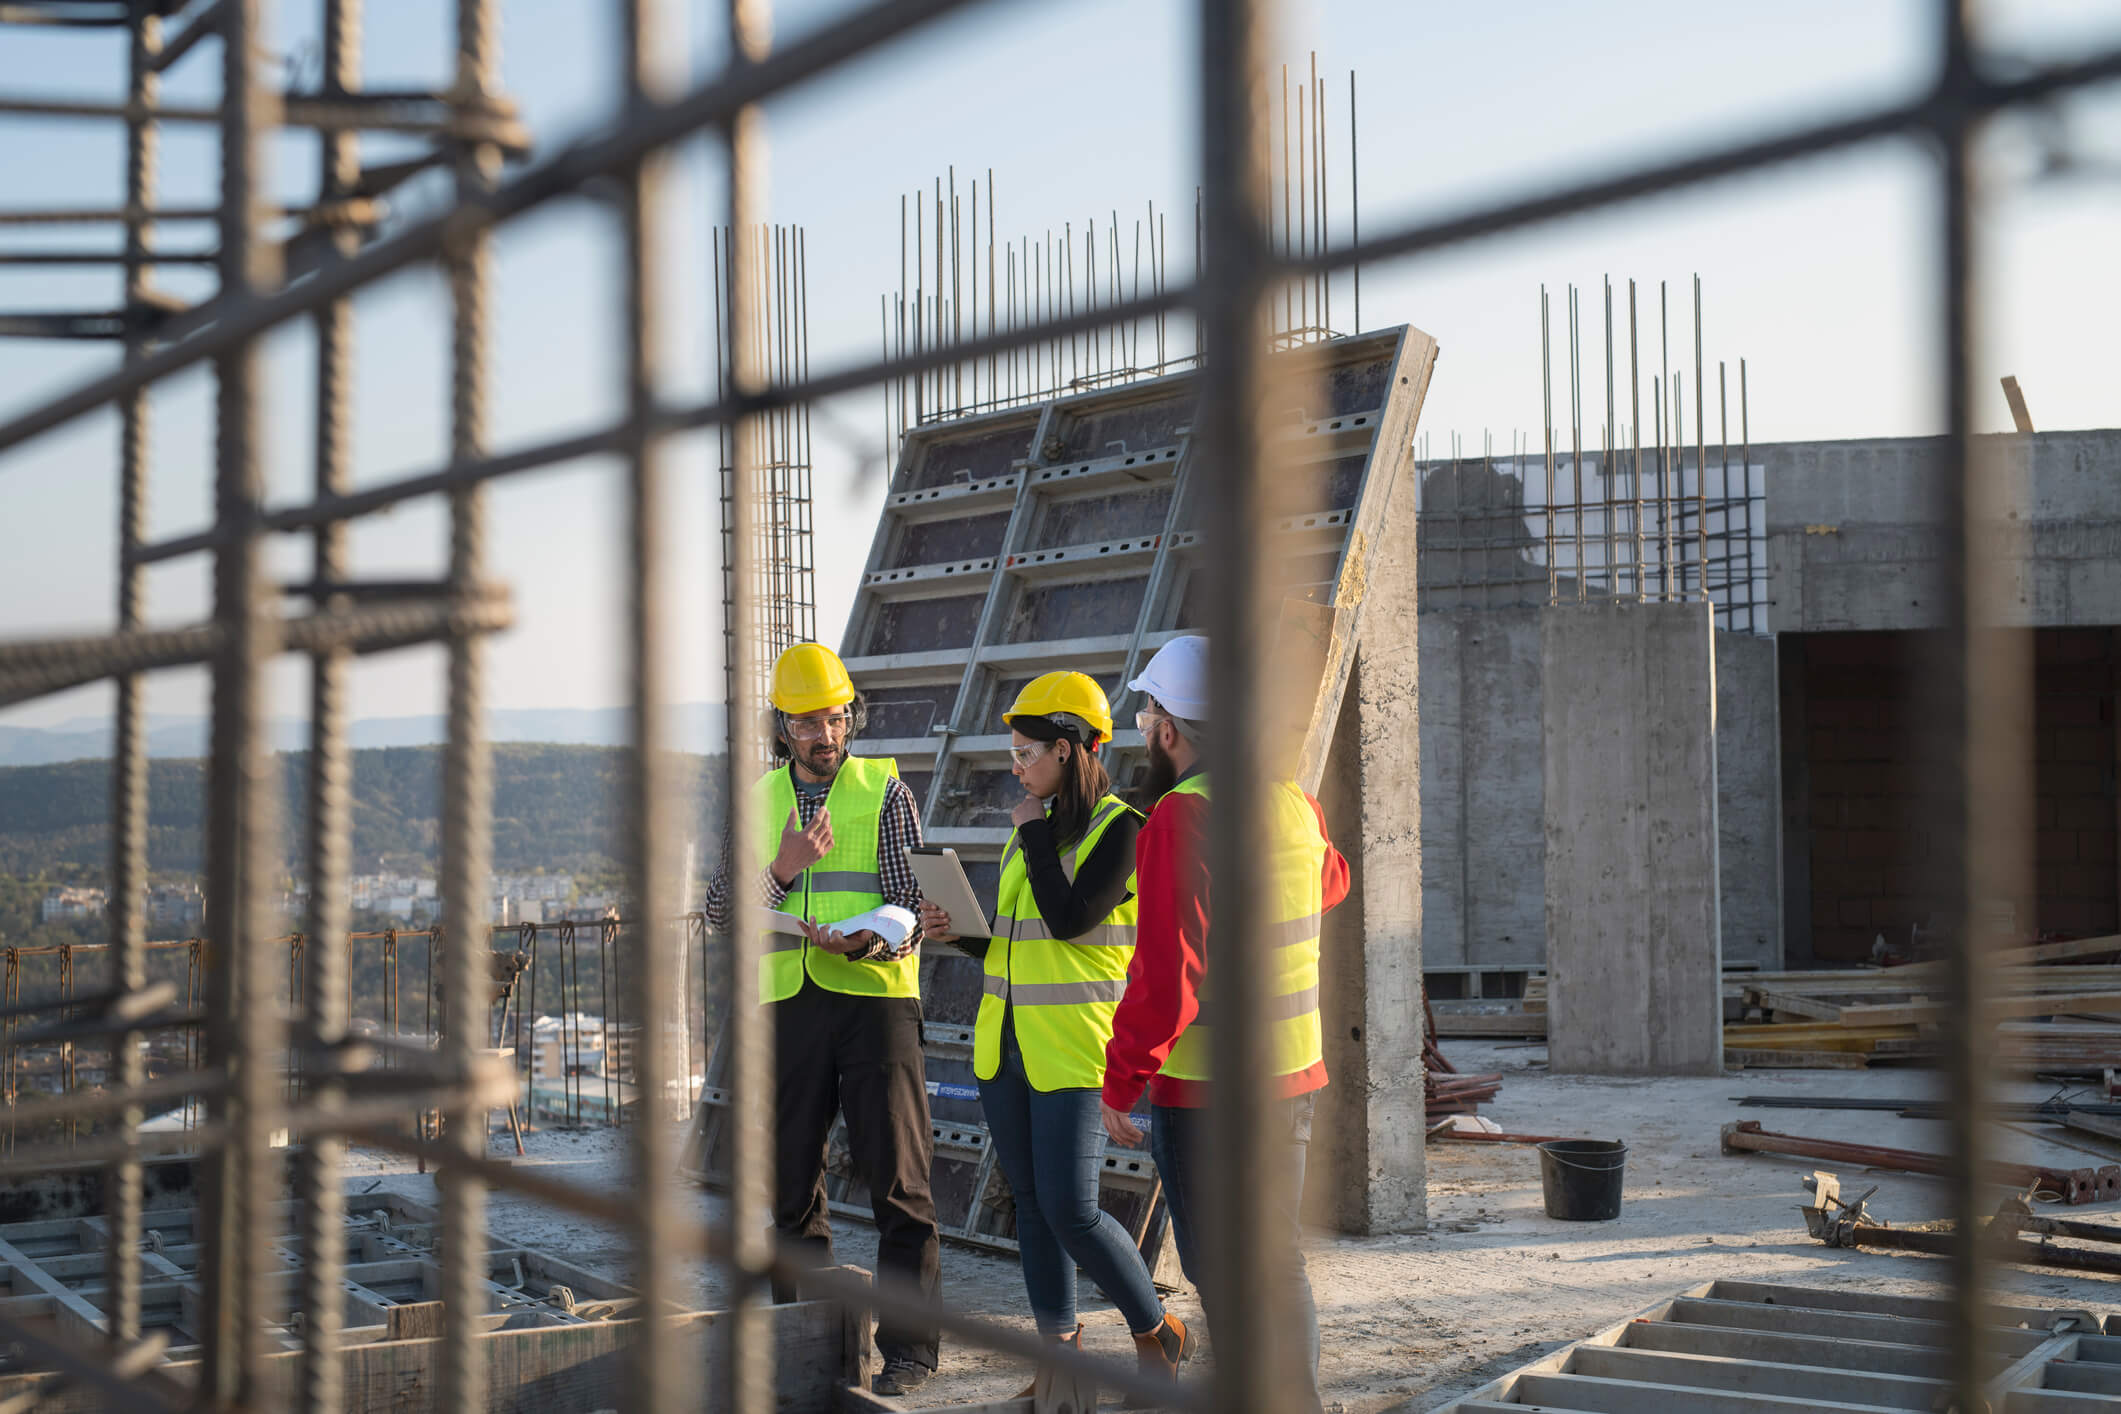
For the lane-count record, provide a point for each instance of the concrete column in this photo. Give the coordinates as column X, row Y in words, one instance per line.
column 1368, row 1174
column 1634, row 946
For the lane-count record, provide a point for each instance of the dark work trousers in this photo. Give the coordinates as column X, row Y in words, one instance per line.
column 1178, row 1142
column 858, row 1056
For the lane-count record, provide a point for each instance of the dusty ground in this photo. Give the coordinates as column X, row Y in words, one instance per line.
column 1412, row 1321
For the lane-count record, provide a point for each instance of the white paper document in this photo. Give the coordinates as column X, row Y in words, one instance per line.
column 888, row 921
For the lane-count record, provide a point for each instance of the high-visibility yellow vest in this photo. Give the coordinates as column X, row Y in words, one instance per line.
column 1064, row 990
column 840, row 885
column 1294, row 858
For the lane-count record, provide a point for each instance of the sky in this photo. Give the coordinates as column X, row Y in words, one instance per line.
column 1819, row 275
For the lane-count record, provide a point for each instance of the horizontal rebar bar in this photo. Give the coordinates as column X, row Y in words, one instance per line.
column 651, row 127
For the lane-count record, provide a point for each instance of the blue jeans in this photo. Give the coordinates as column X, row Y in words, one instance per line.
column 1051, row 1144
column 1178, row 1140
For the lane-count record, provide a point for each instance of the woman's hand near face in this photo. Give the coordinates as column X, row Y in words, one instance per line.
column 1028, row 809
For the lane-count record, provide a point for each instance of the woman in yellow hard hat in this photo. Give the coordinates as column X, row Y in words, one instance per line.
column 1055, row 969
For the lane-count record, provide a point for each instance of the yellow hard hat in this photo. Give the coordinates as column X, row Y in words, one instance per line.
column 1067, row 700
column 808, row 677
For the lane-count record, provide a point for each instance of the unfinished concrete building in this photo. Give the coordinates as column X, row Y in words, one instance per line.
column 1818, row 703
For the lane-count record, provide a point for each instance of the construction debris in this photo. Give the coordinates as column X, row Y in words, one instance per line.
column 2015, row 1234
column 1451, row 1093
column 2054, row 1012
column 2072, row 1186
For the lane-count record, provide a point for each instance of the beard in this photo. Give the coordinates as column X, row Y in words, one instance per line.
column 822, row 759
column 1163, row 774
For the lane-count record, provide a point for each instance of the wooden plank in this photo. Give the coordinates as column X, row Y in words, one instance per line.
column 416, row 1320
column 1478, row 1024
column 1757, row 1377
column 1795, row 1003
column 2032, row 1004
column 1771, row 1058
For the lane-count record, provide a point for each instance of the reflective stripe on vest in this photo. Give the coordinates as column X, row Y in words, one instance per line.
column 1295, row 895
column 842, row 884
column 1063, row 991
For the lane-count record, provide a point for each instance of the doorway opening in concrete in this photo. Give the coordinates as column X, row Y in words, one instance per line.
column 1855, row 835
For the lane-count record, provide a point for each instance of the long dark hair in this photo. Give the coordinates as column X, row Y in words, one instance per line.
column 1083, row 780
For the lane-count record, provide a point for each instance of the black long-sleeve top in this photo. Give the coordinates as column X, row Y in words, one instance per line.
column 1072, row 909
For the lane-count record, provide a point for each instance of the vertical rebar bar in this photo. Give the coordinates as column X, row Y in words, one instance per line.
column 1576, row 433
column 1256, row 1362
column 1318, row 141
column 1610, row 441
column 1546, row 397
column 128, row 808
column 242, row 841
column 1354, row 198
column 1701, row 453
column 467, row 768
column 1635, row 425
column 651, row 823
column 327, row 1012
column 748, row 1374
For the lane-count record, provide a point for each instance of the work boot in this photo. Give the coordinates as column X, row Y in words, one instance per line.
column 899, row 1377
column 1075, row 1340
column 1160, row 1353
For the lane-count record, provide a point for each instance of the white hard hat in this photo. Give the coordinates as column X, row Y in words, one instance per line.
column 1177, row 677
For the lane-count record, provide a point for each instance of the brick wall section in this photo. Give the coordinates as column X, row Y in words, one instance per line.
column 2075, row 752
column 1866, row 807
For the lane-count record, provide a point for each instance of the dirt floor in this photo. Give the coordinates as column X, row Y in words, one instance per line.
column 1410, row 1322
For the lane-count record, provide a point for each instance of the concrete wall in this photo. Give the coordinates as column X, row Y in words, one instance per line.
column 1853, row 538
column 1483, row 855
column 1633, row 945
column 1369, row 1172
column 1748, row 799
column 1483, row 791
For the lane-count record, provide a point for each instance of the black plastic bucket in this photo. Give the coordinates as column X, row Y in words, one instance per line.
column 1580, row 1178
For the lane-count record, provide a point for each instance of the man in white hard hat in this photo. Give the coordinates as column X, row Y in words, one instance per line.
column 1158, row 1041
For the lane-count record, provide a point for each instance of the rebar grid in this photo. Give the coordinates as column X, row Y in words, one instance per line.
column 1982, row 680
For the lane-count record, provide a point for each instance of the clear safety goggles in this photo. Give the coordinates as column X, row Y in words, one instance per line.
column 812, row 728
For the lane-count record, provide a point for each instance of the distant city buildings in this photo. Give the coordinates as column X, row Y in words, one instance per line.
column 179, row 906
column 63, row 905
column 411, row 900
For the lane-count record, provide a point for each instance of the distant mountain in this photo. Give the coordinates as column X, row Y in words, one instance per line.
column 696, row 726
column 554, row 807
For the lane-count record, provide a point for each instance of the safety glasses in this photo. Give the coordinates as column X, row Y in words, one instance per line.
column 812, row 728
column 1028, row 753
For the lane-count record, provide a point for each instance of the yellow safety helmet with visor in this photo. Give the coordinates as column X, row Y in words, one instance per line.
column 809, row 677
column 1067, row 700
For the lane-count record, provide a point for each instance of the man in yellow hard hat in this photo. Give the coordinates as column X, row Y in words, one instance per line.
column 833, row 831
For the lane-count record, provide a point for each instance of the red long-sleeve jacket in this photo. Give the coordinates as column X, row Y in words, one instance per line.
column 1171, row 955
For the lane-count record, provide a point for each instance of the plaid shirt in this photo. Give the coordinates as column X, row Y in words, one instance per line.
column 898, row 825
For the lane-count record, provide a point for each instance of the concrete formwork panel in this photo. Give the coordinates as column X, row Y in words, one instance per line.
column 1633, row 936
column 1066, row 535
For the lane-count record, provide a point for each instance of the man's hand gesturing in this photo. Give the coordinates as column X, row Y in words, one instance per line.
column 801, row 848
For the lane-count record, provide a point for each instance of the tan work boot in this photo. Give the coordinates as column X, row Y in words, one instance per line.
column 1075, row 1340
column 1161, row 1352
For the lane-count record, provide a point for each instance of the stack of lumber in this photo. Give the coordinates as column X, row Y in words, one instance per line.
column 1496, row 1019
column 1450, row 1092
column 2051, row 1013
